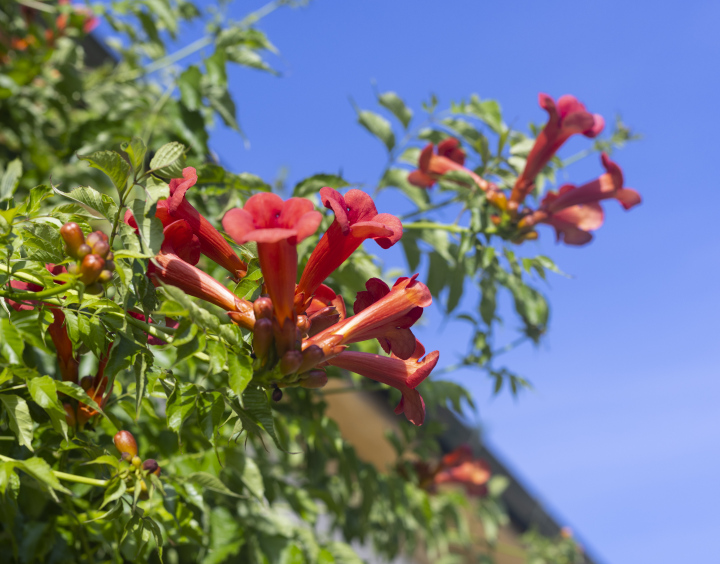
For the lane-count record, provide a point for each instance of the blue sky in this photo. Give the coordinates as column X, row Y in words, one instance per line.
column 621, row 437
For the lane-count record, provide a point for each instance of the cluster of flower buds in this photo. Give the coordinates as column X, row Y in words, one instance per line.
column 94, row 264
column 574, row 211
column 126, row 444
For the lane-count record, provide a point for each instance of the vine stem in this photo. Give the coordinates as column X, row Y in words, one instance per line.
column 67, row 477
column 36, row 295
column 433, row 225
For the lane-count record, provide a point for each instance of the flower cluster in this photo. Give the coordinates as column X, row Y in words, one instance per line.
column 573, row 211
column 137, row 467
column 300, row 329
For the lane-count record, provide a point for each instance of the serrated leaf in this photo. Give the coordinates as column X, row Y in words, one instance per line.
column 41, row 471
column 189, row 85
column 76, row 392
column 136, row 150
column 180, row 405
column 211, row 407
column 210, row 482
column 256, row 404
column 143, row 362
column 44, row 392
column 252, row 478
column 92, row 333
column 378, row 126
column 155, row 529
column 113, row 491
column 169, row 160
column 112, row 164
column 395, row 104
column 101, row 203
column 19, row 419
column 240, row 372
column 150, row 227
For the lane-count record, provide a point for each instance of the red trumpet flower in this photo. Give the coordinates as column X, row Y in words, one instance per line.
column 574, row 211
column 459, row 467
column 449, row 157
column 607, row 186
column 404, row 375
column 277, row 226
column 382, row 313
column 211, row 243
column 567, row 118
column 171, row 267
column 356, row 219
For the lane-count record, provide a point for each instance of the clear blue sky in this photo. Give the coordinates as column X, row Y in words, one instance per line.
column 621, row 437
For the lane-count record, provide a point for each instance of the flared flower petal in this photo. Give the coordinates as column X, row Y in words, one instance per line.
column 607, row 186
column 459, row 467
column 356, row 219
column 277, row 226
column 566, row 118
column 404, row 375
column 379, row 318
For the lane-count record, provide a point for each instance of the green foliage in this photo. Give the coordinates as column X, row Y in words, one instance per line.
column 244, row 478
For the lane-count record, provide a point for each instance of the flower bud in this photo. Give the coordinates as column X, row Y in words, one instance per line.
column 73, row 268
column 498, row 199
column 83, row 251
column 105, row 276
column 310, row 357
column 101, row 248
column 262, row 337
column 109, row 265
column 110, row 256
column 73, row 237
column 96, row 237
column 277, row 394
column 143, row 491
column 303, row 323
column 90, row 269
column 315, row 379
column 290, row 362
column 127, row 457
column 86, row 383
column 125, row 442
column 263, row 308
column 69, row 415
column 496, row 220
column 136, row 461
column 150, row 465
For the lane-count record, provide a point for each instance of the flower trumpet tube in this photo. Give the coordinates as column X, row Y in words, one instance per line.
column 356, row 219
column 324, row 309
column 404, row 375
column 212, row 244
column 277, row 227
column 449, row 157
column 379, row 316
column 566, row 118
column 66, row 358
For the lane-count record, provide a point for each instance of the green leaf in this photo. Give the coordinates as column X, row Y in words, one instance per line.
column 252, row 478
column 143, row 363
column 92, row 333
column 44, row 392
column 378, row 126
column 150, row 227
column 19, row 419
column 224, row 105
column 10, row 179
column 91, row 198
column 211, row 407
column 169, row 160
column 112, row 164
column 41, row 471
column 113, row 491
column 180, row 405
column 76, row 392
column 189, row 85
column 155, row 529
column 210, row 482
column 311, row 185
column 395, row 104
column 240, row 372
column 135, row 150
column 342, row 553
column 218, row 357
column 11, row 342
column 255, row 402
column 37, row 195
column 121, row 356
